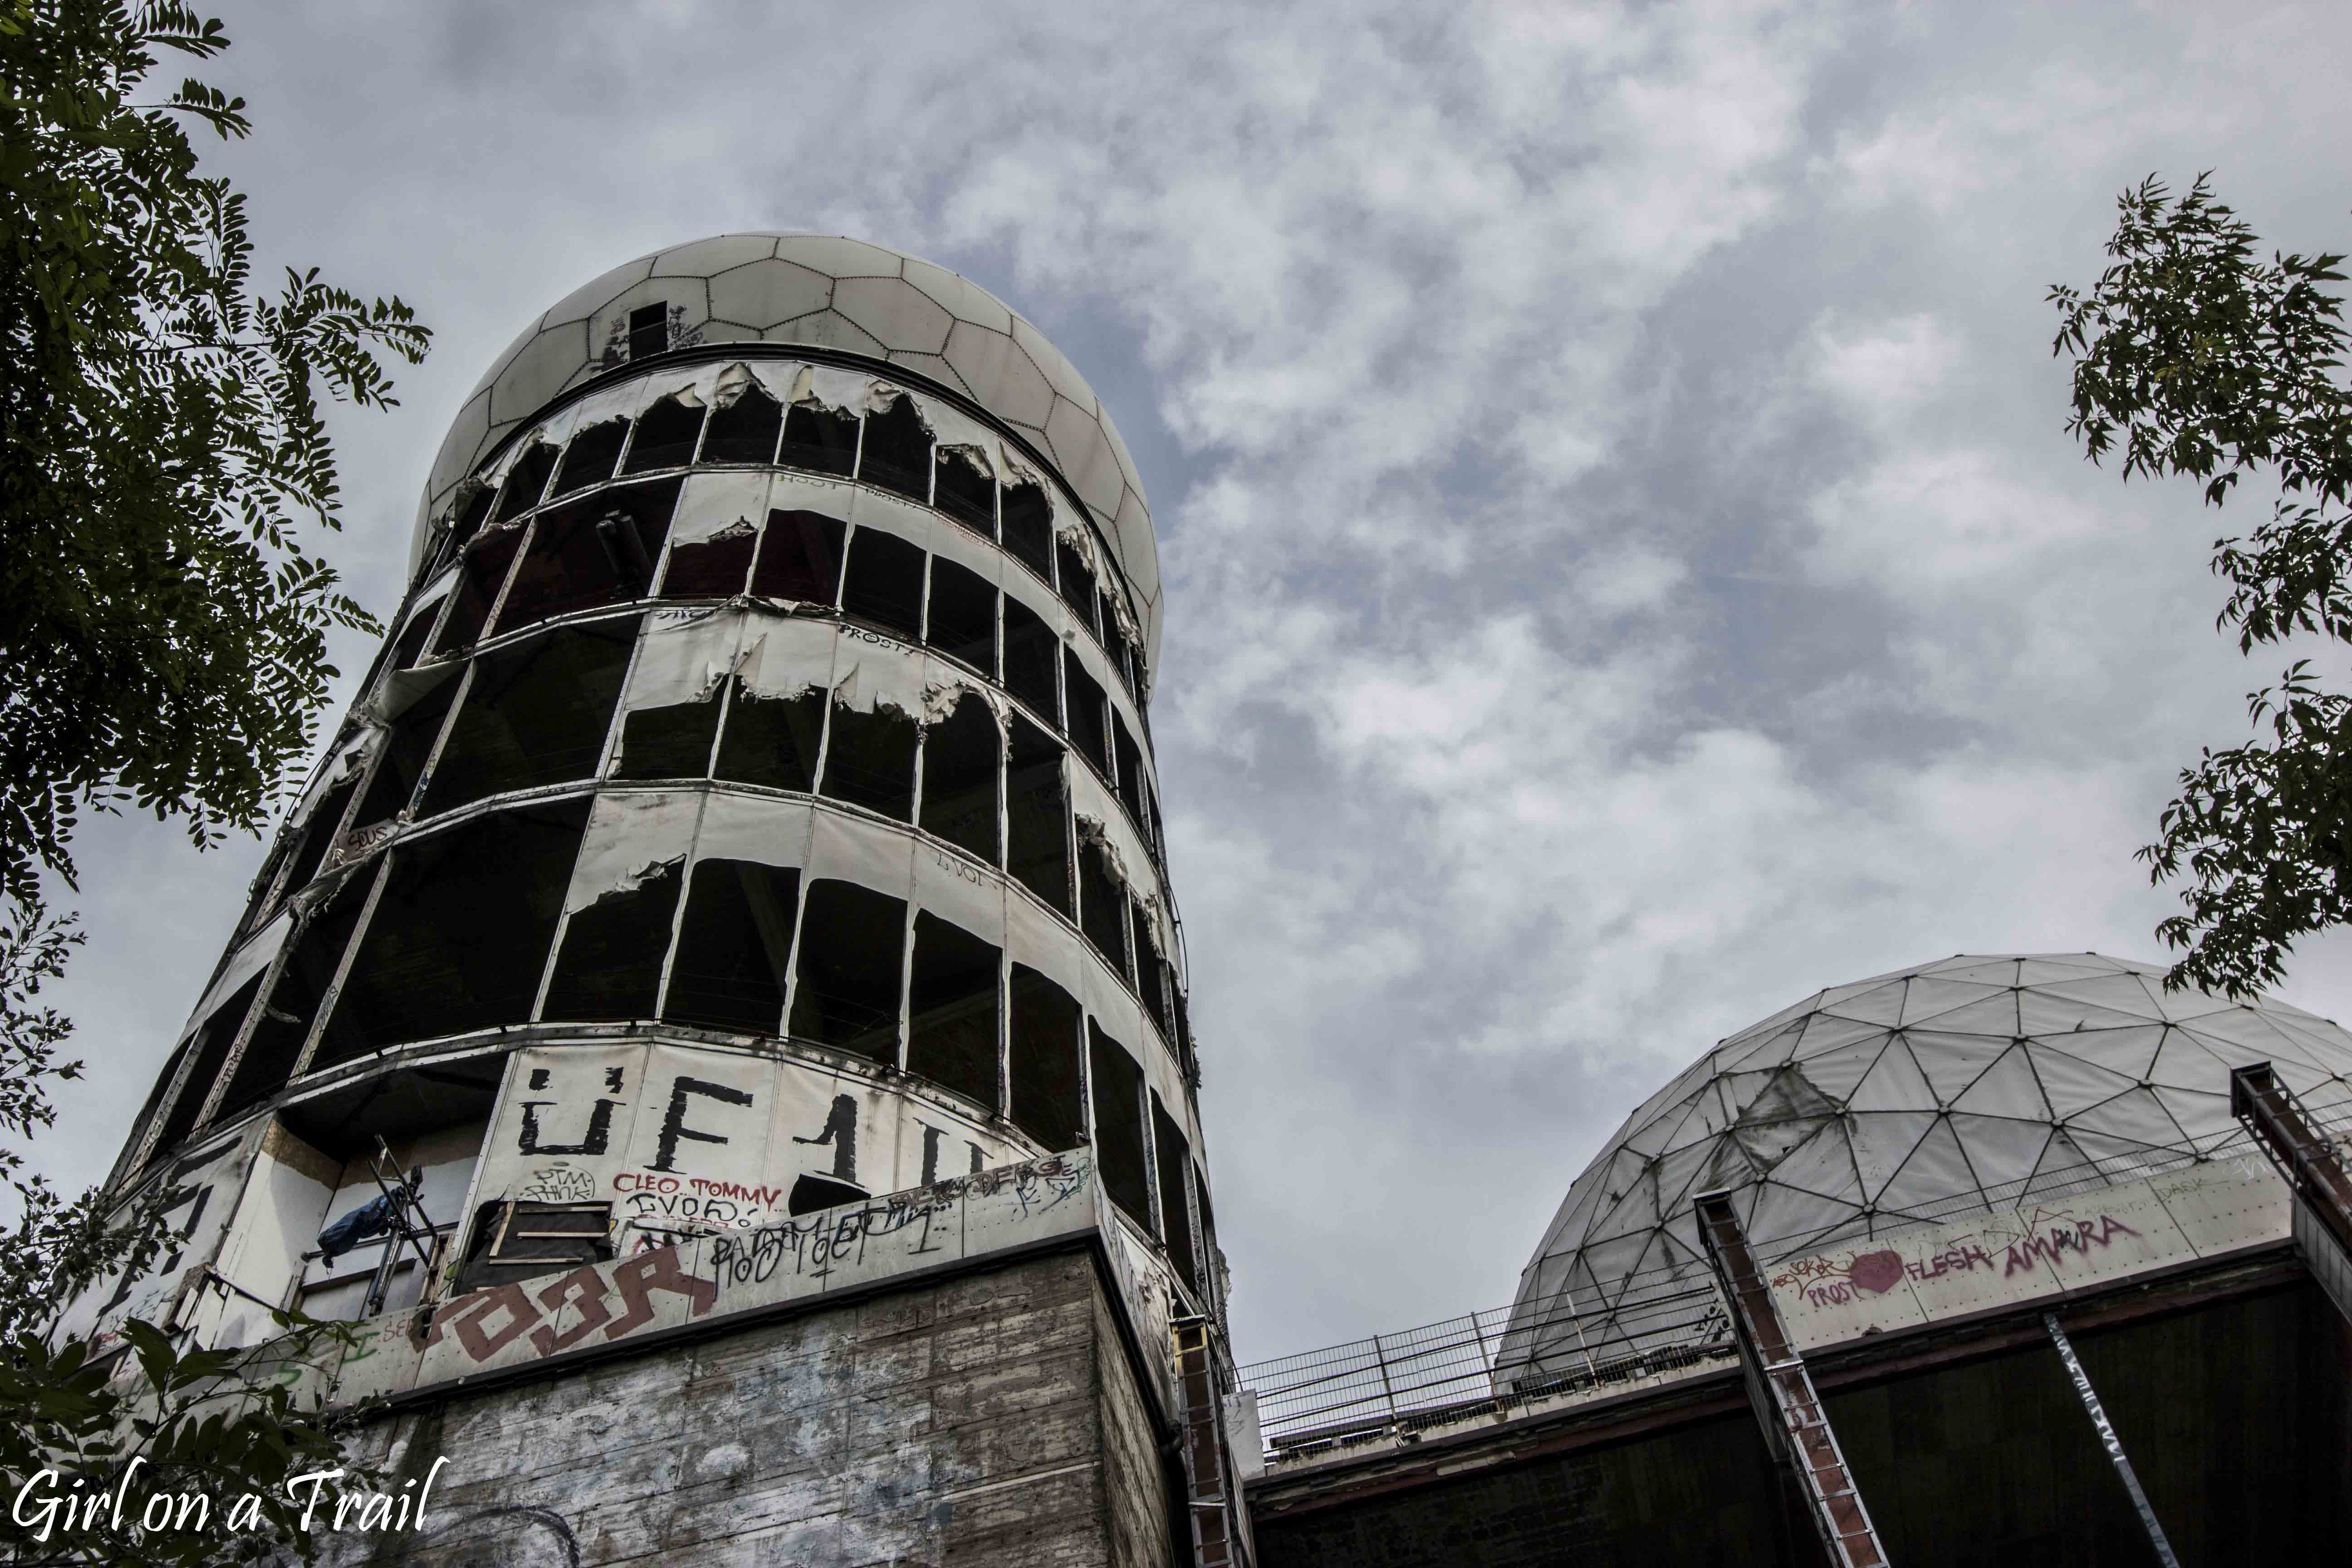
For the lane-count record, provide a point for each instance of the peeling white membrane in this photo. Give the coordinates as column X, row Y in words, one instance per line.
column 631, row 837
column 243, row 964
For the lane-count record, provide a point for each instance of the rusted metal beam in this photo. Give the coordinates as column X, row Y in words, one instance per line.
column 1210, row 1492
column 2313, row 1165
column 1781, row 1389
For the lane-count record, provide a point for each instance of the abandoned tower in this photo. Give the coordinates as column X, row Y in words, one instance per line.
column 720, row 999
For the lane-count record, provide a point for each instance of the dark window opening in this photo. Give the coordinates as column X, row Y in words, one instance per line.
column 772, row 740
column 1086, row 706
column 869, row 760
column 1031, row 654
column 1118, row 1124
column 1076, row 582
column 960, row 756
column 962, row 622
column 853, row 958
column 668, row 743
column 526, row 481
column 1105, row 621
column 1142, row 676
column 1116, row 648
column 734, row 947
column 746, row 430
column 820, row 440
column 884, row 584
column 1175, row 1213
column 319, row 835
column 413, row 730
column 898, row 452
column 966, row 493
column 535, row 714
column 951, row 1009
column 649, row 330
column 410, row 645
column 666, row 438
column 1044, row 1023
column 800, row 557
column 461, row 933
column 285, row 1023
column 1029, row 528
column 521, row 1240
column 214, row 1038
column 1130, row 770
column 712, row 568
column 479, row 577
column 1183, row 1030
column 591, row 456
column 590, row 552
column 610, row 964
column 1147, row 967
column 1159, row 830
column 1102, row 908
column 1037, row 815
column 1208, row 1232
column 470, row 518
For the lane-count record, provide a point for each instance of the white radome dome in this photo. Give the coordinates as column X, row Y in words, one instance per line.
column 1965, row 1083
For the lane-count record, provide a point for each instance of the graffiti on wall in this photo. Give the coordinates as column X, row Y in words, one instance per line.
column 1833, row 1279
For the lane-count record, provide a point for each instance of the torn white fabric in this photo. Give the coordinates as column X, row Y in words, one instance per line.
column 799, row 491
column 958, row 889
column 766, row 831
column 243, row 964
column 684, row 656
column 868, row 853
column 786, row 655
column 733, row 382
column 1102, row 820
column 847, row 391
column 630, row 836
column 717, row 503
column 1040, row 939
column 870, row 673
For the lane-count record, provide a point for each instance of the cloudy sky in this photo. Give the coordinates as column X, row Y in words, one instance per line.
column 1625, row 568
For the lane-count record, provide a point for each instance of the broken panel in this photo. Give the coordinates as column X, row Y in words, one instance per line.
column 480, row 575
column 525, row 481
column 460, row 933
column 215, row 1037
column 746, row 430
column 524, row 1239
column 1130, row 772
column 600, row 551
column 852, row 959
column 951, row 1009
column 800, row 558
column 468, row 520
column 1045, row 1093
column 666, row 435
column 1174, row 1163
column 819, row 440
column 402, row 764
column 897, row 455
column 1033, row 657
column 1118, row 1124
column 713, row 568
column 962, row 620
column 1037, row 815
column 535, row 714
column 1029, row 527
column 276, row 1044
column 961, row 755
column 884, row 582
column 772, row 740
column 1102, row 909
column 609, row 965
column 734, row 947
column 410, row 645
column 591, row 457
column 869, row 760
column 965, row 492
column 1087, row 707
column 1148, row 965
column 668, row 743
column 318, row 835
column 1076, row 579
column 1105, row 621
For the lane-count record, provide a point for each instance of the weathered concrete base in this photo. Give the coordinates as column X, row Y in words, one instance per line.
column 989, row 1418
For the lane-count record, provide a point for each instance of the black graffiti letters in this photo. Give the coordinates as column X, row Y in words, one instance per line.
column 674, row 1127
column 841, row 1132
column 600, row 1131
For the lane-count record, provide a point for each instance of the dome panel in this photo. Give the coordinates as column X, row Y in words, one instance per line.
column 2011, row 1076
column 769, row 293
column 899, row 315
column 709, row 257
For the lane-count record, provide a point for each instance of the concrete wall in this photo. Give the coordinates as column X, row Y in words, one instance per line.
column 992, row 1418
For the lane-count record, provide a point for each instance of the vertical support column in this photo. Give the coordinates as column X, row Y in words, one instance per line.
column 2109, row 1441
column 1782, row 1389
column 1210, row 1498
column 2314, row 1168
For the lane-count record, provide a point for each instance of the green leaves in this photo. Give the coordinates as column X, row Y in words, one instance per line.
column 2203, row 360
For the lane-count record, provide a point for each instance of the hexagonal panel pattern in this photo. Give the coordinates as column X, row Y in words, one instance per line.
column 838, row 293
column 1914, row 1097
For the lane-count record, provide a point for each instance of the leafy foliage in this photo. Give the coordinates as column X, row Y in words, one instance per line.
column 162, row 627
column 2203, row 360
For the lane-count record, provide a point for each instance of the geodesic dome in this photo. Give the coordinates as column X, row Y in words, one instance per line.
column 822, row 292
column 1907, row 1098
